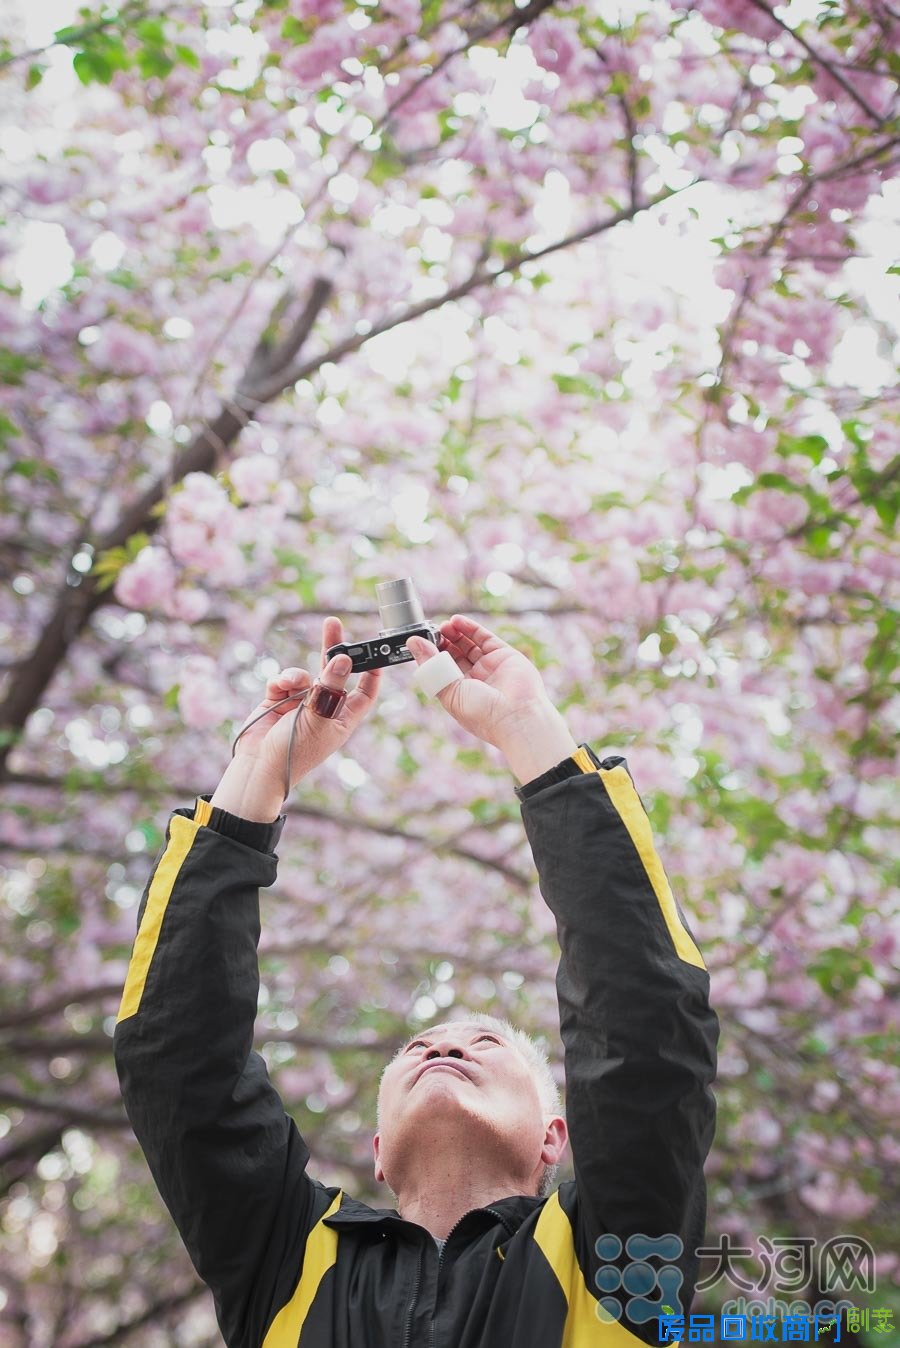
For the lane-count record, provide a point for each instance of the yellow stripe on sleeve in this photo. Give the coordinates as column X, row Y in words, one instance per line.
column 626, row 801
column 181, row 838
column 584, row 760
column 583, row 1328
column 320, row 1256
column 202, row 812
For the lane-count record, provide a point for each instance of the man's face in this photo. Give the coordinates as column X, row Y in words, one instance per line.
column 460, row 1086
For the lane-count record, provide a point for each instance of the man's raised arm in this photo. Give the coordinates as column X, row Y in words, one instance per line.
column 229, row 1163
column 637, row 1029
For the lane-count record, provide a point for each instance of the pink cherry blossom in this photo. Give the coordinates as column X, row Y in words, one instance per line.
column 148, row 581
column 199, row 693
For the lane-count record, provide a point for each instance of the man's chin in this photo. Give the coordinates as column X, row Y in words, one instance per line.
column 441, row 1096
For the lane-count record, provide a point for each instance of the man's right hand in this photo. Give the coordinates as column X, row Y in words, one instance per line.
column 253, row 783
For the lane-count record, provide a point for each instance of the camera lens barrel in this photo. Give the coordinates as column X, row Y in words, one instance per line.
column 398, row 605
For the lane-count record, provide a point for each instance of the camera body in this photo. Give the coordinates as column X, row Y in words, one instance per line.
column 401, row 616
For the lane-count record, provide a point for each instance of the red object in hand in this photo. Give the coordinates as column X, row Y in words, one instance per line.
column 325, row 701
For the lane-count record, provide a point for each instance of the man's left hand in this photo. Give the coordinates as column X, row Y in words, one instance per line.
column 500, row 689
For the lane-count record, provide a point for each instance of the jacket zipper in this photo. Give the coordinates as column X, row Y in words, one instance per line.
column 501, row 1220
column 413, row 1299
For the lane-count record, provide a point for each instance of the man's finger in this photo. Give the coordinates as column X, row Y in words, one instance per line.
column 420, row 649
column 336, row 671
column 366, row 690
column 459, row 655
column 287, row 680
column 332, row 635
column 478, row 635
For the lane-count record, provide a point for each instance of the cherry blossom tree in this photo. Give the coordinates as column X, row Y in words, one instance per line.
column 551, row 308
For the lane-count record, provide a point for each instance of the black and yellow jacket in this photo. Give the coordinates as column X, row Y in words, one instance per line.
column 294, row 1264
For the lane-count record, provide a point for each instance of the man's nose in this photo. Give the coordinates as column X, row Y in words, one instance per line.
column 445, row 1049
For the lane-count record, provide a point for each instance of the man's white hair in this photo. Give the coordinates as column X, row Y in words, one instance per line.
column 535, row 1059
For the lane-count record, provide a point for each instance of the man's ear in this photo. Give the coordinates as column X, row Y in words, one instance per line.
column 376, row 1146
column 556, row 1135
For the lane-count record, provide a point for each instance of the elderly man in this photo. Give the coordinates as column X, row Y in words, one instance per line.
column 478, row 1252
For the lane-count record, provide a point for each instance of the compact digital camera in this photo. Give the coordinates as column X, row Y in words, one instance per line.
column 401, row 616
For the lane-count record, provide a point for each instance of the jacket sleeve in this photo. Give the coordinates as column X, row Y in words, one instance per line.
column 228, row 1162
column 638, row 1034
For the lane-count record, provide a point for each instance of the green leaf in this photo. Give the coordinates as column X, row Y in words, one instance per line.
column 151, row 30
column 170, row 697
column 881, row 653
column 35, row 75
column 886, row 509
column 608, row 500
column 818, row 540
column 408, row 765
column 294, row 30
column 71, row 33
column 576, row 383
column 384, row 165
column 35, row 468
column 108, row 564
column 548, row 522
column 187, row 56
column 811, row 446
column 837, row 971
column 449, row 124
column 305, row 582
column 8, row 430
column 90, row 66
column 14, row 365
column 853, row 431
column 154, row 61
column 152, row 833
column 776, row 480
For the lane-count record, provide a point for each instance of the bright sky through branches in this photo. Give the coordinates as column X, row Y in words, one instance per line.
column 677, row 255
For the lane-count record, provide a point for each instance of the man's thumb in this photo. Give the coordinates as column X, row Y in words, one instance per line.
column 420, row 649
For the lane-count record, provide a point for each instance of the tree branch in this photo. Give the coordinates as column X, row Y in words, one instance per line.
column 79, row 597
column 436, row 845
column 821, row 61
column 480, row 276
column 93, row 1118
column 149, row 1316
column 268, row 361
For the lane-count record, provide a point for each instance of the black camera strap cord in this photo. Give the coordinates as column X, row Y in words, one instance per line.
column 290, row 753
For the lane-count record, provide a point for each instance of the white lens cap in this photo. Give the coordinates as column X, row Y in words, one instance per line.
column 437, row 673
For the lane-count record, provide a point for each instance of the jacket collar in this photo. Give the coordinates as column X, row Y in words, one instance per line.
column 511, row 1211
column 352, row 1212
